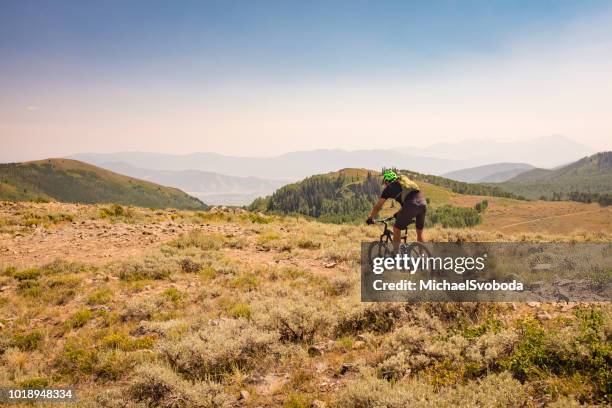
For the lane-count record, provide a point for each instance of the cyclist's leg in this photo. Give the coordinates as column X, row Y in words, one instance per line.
column 397, row 236
column 420, row 222
column 402, row 219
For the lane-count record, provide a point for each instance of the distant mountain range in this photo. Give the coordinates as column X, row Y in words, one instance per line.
column 591, row 174
column 210, row 187
column 77, row 182
column 545, row 152
column 232, row 180
column 289, row 166
column 437, row 159
column 491, row 173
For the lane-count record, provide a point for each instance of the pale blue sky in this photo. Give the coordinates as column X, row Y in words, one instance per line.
column 255, row 77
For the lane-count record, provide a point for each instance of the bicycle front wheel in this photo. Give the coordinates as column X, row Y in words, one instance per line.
column 379, row 249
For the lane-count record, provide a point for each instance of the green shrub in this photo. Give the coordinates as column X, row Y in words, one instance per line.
column 240, row 310
column 99, row 297
column 36, row 383
column 28, row 341
column 80, row 318
column 298, row 401
column 305, row 243
column 116, row 210
column 568, row 350
column 29, row 288
column 27, row 274
column 172, row 294
column 481, row 206
column 112, row 365
column 76, row 357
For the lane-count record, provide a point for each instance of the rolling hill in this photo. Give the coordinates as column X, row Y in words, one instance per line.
column 73, row 181
column 590, row 175
column 210, row 187
column 348, row 195
column 492, row 173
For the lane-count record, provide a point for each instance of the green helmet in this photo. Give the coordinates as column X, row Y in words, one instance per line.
column 389, row 176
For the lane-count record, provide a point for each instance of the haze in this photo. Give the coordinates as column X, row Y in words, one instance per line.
column 262, row 78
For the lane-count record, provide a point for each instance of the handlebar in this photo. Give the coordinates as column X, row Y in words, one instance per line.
column 385, row 220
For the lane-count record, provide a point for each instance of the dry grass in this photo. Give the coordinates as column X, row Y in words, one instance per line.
column 270, row 306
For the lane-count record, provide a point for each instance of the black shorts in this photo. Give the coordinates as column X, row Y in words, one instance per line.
column 411, row 212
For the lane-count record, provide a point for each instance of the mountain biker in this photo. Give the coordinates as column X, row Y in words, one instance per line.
column 414, row 206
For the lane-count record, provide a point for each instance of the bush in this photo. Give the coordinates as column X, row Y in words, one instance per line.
column 198, row 239
column 158, row 386
column 112, row 365
column 27, row 274
column 36, row 383
column 76, row 357
column 29, row 288
column 80, row 318
column 116, row 210
column 28, row 341
column 217, row 350
column 99, row 297
column 297, row 320
column 306, row 243
column 240, row 310
column 139, row 309
column 172, row 294
column 481, row 206
column 379, row 318
column 148, row 269
column 189, row 266
column 492, row 391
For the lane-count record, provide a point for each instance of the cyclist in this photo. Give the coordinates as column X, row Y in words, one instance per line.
column 414, row 206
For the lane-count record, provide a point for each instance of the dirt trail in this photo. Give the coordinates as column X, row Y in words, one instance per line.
column 550, row 217
column 98, row 242
column 94, row 241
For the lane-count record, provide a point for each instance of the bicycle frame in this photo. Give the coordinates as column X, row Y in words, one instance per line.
column 387, row 234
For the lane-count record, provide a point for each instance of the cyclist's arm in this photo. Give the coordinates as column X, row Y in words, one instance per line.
column 377, row 207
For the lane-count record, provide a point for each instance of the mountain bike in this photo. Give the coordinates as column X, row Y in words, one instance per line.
column 384, row 247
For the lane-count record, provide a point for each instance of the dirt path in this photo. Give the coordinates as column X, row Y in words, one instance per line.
column 548, row 218
column 95, row 242
column 98, row 242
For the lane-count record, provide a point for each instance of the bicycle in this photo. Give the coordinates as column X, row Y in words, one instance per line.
column 384, row 247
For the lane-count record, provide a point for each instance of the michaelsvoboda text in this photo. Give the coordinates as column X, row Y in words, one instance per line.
column 458, row 265
column 444, row 285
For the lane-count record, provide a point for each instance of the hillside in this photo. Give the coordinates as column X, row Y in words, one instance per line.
column 210, row 187
column 342, row 196
column 493, row 173
column 73, row 181
column 591, row 174
column 348, row 195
